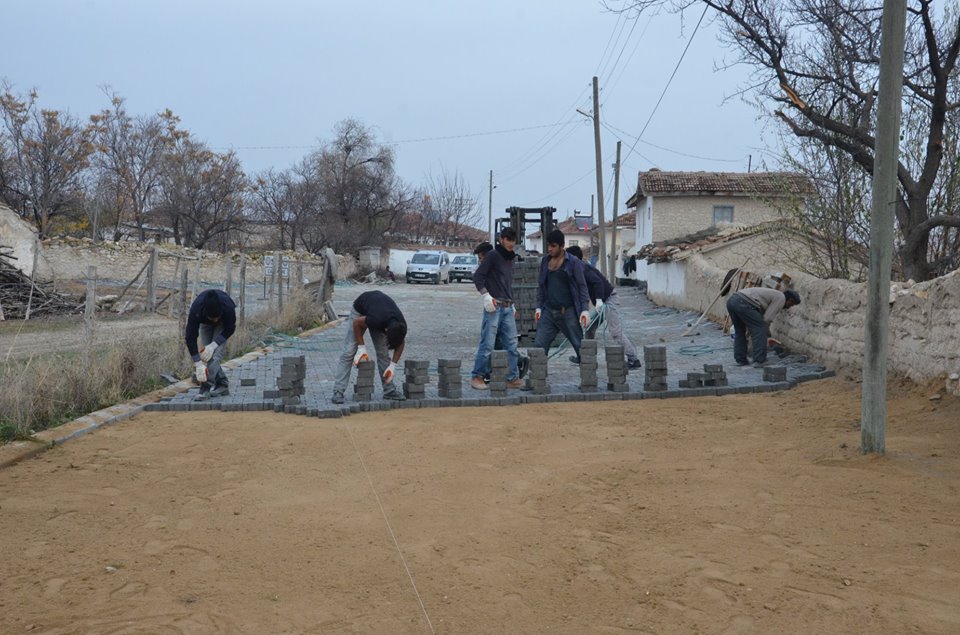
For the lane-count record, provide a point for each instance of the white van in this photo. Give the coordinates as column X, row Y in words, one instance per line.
column 428, row 265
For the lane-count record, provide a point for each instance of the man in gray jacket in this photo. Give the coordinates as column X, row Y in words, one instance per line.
column 754, row 308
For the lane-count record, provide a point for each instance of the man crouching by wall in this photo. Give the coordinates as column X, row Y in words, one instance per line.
column 212, row 318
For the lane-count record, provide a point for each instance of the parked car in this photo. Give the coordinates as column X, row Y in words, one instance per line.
column 462, row 267
column 429, row 265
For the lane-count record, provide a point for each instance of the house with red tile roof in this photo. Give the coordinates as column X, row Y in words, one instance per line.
column 668, row 205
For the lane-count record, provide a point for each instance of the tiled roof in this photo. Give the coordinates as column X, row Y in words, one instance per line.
column 624, row 220
column 654, row 182
column 569, row 226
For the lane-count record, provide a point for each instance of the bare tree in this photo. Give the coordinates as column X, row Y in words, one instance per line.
column 269, row 200
column 44, row 155
column 816, row 62
column 202, row 193
column 454, row 204
column 361, row 196
column 129, row 156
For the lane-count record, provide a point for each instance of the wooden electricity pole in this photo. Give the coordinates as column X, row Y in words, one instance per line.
column 873, row 406
column 612, row 267
column 596, row 142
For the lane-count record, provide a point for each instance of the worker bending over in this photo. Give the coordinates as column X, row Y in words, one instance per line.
column 754, row 308
column 212, row 319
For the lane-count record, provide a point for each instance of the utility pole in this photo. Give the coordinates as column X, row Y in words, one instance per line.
column 873, row 406
column 493, row 239
column 596, row 142
column 612, row 267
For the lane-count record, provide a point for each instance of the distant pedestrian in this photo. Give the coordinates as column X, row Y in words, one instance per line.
column 604, row 296
column 753, row 309
column 376, row 312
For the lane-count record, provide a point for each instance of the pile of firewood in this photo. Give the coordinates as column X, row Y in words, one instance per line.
column 16, row 294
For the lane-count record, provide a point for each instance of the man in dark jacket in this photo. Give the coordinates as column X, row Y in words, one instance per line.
column 212, row 319
column 604, row 297
column 376, row 312
column 562, row 296
column 494, row 280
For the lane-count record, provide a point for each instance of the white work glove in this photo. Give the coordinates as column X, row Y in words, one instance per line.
column 536, row 315
column 390, row 372
column 361, row 355
column 489, row 304
column 599, row 304
column 206, row 353
column 584, row 319
column 200, row 371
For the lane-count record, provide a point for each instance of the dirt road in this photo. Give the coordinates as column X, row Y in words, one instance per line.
column 737, row 514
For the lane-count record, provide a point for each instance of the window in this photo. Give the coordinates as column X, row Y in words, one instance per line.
column 722, row 214
column 574, row 243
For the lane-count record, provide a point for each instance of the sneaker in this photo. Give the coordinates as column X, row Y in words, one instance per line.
column 634, row 364
column 759, row 364
column 523, row 366
column 220, row 391
column 574, row 359
column 337, row 398
column 516, row 383
column 394, row 396
column 477, row 384
column 743, row 363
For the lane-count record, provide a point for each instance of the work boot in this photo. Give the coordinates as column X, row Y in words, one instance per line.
column 477, row 384
column 395, row 395
column 574, row 359
column 220, row 390
column 337, row 398
column 634, row 364
column 523, row 366
column 204, row 392
column 516, row 383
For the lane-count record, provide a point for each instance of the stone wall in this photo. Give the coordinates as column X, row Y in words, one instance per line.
column 68, row 259
column 829, row 323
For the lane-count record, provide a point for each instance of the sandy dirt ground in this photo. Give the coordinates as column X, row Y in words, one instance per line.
column 714, row 515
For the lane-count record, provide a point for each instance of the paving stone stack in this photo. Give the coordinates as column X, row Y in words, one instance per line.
column 588, row 366
column 616, row 369
column 774, row 373
column 537, row 373
column 416, row 376
column 450, row 384
column 498, row 373
column 712, row 375
column 366, row 374
column 655, row 363
column 293, row 370
column 525, row 298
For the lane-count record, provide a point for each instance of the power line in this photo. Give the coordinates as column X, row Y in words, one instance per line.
column 669, row 81
column 613, row 128
column 569, row 185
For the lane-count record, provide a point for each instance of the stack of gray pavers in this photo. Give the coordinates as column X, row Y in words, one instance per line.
column 293, row 370
column 450, row 384
column 525, row 299
column 655, row 361
column 366, row 373
column 588, row 366
column 712, row 375
column 616, row 369
column 537, row 373
column 498, row 373
column 774, row 373
column 416, row 376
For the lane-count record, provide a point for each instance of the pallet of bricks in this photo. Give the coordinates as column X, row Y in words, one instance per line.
column 525, row 298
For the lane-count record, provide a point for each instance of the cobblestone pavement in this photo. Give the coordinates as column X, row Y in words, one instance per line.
column 444, row 323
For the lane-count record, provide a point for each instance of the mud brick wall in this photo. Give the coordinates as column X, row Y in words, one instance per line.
column 829, row 323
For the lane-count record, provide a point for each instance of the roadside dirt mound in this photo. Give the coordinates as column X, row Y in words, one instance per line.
column 714, row 515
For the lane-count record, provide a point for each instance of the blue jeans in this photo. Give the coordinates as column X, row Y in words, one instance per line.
column 554, row 321
column 746, row 316
column 497, row 325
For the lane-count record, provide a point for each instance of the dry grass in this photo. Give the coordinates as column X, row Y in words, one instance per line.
column 44, row 391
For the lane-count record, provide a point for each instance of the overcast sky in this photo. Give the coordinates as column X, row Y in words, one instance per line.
column 434, row 77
